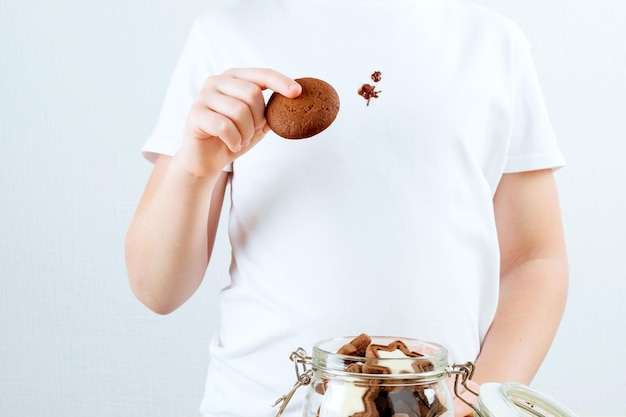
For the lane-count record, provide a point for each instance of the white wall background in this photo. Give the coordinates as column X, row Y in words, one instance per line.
column 81, row 83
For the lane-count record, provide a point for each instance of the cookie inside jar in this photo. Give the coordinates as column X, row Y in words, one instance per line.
column 378, row 376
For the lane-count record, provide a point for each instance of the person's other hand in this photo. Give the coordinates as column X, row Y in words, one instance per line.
column 227, row 117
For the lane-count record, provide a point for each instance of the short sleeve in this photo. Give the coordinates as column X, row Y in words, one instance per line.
column 533, row 143
column 191, row 71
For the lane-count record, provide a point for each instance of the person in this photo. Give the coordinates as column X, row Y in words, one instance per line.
column 431, row 212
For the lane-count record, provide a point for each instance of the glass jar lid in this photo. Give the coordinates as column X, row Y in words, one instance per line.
column 516, row 400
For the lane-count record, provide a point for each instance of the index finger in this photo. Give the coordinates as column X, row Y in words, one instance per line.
column 267, row 78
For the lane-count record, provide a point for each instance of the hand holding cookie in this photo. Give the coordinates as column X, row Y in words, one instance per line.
column 228, row 116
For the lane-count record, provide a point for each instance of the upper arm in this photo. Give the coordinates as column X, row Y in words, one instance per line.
column 528, row 218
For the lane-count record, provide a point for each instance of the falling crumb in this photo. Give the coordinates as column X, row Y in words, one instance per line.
column 368, row 92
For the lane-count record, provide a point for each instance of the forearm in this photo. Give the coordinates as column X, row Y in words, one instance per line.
column 531, row 304
column 166, row 244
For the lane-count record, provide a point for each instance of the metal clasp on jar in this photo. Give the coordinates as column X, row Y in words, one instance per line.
column 462, row 374
column 304, row 377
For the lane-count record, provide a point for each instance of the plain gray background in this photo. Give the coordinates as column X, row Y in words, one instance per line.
column 81, row 84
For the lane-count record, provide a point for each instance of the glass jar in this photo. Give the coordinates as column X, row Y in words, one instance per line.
column 391, row 385
column 407, row 381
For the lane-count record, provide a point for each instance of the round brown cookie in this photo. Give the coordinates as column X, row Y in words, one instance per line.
column 306, row 115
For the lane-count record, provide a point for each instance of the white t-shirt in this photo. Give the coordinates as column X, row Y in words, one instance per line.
column 384, row 222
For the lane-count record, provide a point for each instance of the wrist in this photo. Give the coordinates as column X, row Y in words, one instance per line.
column 183, row 177
column 194, row 168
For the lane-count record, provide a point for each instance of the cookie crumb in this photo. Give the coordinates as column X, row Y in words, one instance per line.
column 368, row 92
column 377, row 76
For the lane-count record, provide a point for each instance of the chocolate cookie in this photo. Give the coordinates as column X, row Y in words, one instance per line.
column 306, row 115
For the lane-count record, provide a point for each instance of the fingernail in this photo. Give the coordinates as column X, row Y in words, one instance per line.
column 294, row 87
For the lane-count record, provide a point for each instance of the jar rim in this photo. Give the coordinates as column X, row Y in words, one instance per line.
column 326, row 359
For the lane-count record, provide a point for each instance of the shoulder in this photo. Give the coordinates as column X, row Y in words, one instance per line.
column 227, row 11
column 479, row 20
column 227, row 19
column 488, row 33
